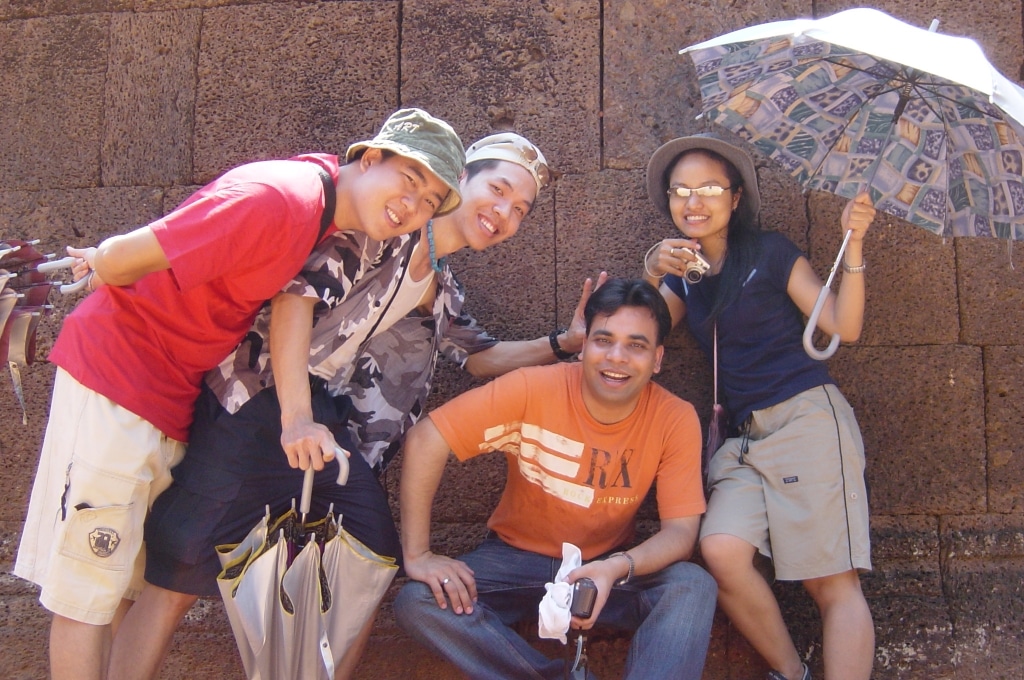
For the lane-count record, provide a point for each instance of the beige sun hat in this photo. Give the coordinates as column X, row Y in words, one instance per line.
column 508, row 146
column 666, row 155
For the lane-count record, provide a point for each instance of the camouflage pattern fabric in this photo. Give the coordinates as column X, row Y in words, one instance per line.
column 392, row 376
column 349, row 274
column 387, row 377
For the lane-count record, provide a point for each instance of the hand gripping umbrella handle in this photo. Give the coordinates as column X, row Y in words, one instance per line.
column 63, row 263
column 812, row 322
column 307, row 480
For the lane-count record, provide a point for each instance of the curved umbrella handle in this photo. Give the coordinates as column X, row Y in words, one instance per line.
column 78, row 285
column 54, row 265
column 812, row 323
column 64, row 263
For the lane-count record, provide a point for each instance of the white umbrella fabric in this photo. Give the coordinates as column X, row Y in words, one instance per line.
column 297, row 594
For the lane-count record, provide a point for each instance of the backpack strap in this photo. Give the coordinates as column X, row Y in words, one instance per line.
column 330, row 202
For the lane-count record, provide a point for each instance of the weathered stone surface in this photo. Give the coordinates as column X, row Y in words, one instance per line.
column 983, row 577
column 51, row 100
column 23, row 636
column 1004, row 428
column 991, row 291
column 278, row 79
column 504, row 65
column 150, row 98
column 913, row 639
column 784, row 206
column 905, row 555
column 650, row 90
column 605, row 222
column 28, row 9
column 921, row 413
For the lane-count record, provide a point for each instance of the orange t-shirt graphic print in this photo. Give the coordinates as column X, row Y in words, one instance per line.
column 571, row 478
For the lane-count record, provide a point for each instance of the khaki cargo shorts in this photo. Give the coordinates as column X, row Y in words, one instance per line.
column 100, row 468
column 794, row 487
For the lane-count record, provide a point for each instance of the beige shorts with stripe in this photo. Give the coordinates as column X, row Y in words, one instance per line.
column 797, row 493
column 100, row 468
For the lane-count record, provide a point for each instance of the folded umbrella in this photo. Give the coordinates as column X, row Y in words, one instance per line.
column 298, row 593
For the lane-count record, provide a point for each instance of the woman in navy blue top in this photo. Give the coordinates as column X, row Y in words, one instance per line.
column 790, row 484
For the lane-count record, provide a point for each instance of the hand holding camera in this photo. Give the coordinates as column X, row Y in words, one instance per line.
column 695, row 268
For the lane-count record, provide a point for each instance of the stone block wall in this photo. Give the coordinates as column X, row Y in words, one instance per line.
column 113, row 111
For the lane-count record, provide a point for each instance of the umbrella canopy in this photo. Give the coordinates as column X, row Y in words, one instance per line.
column 298, row 593
column 862, row 100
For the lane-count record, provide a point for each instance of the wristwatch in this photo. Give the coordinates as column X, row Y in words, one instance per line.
column 560, row 353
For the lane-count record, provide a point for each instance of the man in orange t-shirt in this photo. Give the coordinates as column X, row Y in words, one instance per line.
column 584, row 444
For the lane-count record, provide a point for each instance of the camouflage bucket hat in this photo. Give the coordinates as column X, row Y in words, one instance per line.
column 415, row 134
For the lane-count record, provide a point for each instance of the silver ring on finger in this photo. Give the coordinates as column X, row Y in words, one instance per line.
column 445, row 581
column 671, row 251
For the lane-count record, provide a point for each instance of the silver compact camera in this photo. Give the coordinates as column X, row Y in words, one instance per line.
column 696, row 269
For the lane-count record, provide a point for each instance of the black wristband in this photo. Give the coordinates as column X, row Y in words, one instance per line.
column 560, row 353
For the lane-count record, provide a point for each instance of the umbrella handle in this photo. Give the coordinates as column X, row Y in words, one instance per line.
column 812, row 323
column 307, row 491
column 64, row 263
column 307, row 480
column 54, row 265
column 343, row 466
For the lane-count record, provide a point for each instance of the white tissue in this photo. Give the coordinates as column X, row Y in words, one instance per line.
column 553, row 612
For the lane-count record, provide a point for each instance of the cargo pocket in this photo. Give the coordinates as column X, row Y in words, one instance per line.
column 105, row 535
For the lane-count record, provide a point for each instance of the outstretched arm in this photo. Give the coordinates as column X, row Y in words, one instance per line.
column 510, row 355
column 843, row 312
column 423, row 461
column 304, row 441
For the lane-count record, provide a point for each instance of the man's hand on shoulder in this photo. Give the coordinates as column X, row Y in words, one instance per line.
column 447, row 578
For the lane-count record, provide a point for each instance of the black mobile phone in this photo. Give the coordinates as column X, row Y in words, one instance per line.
column 584, row 594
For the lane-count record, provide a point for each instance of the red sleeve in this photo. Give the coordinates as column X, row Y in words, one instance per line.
column 236, row 228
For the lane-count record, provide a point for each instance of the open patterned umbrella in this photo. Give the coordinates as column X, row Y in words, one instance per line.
column 860, row 100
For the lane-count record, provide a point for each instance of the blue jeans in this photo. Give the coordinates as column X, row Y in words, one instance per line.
column 670, row 611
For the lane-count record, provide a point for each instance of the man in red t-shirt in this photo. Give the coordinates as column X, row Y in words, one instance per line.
column 584, row 443
column 171, row 300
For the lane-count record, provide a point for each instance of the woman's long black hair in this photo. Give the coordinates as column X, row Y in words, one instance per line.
column 743, row 244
